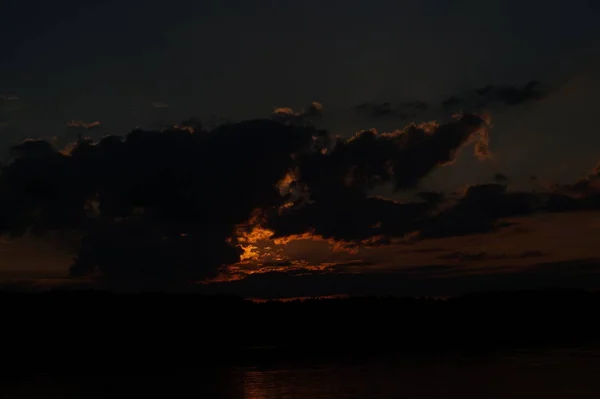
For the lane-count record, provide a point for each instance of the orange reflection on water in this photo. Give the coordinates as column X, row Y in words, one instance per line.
column 286, row 384
column 259, row 385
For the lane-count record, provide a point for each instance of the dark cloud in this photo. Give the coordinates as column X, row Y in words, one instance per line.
column 500, row 178
column 587, row 186
column 32, row 149
column 166, row 205
column 432, row 197
column 583, row 194
column 423, row 251
column 497, row 94
column 480, row 210
column 417, row 105
column 350, row 263
column 451, row 101
column 431, row 280
column 76, row 130
column 531, row 254
column 470, row 100
column 484, row 207
column 434, row 280
column 156, row 206
column 315, row 109
column 401, row 111
column 571, row 266
column 358, row 221
column 8, row 97
column 484, row 255
column 557, row 202
column 429, row 270
column 191, row 124
column 336, row 181
column 278, row 263
column 403, row 157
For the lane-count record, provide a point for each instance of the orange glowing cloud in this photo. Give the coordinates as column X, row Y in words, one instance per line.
column 284, row 184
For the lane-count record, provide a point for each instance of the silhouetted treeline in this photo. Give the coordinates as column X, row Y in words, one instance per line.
column 98, row 329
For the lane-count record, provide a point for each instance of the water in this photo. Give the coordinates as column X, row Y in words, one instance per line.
column 552, row 374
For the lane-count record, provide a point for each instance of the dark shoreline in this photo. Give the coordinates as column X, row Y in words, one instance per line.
column 99, row 330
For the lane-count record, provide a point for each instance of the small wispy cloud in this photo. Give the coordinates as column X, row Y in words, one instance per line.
column 81, row 124
column 288, row 115
column 160, row 105
column 498, row 94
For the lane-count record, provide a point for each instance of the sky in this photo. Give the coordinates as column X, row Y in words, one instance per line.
column 105, row 68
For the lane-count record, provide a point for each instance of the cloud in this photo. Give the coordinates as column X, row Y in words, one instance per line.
column 403, row 157
column 470, row 100
column 481, row 209
column 336, row 178
column 432, row 197
column 168, row 205
column 352, row 223
column 422, row 251
column 315, row 109
column 484, row 255
column 402, row 111
column 433, row 280
column 287, row 115
column 153, row 206
column 500, row 178
column 586, row 186
column 8, row 97
column 486, row 207
column 160, row 105
column 78, row 123
column 583, row 194
column 178, row 204
column 32, row 149
column 497, row 94
column 192, row 125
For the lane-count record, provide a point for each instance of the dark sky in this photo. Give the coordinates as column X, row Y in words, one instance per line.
column 128, row 64
column 110, row 61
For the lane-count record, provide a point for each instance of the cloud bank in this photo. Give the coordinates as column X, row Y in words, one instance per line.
column 167, row 206
column 489, row 95
column 177, row 204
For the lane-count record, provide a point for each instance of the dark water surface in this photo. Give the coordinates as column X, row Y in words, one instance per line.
column 549, row 374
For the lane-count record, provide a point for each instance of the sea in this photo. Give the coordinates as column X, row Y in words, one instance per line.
column 572, row 373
